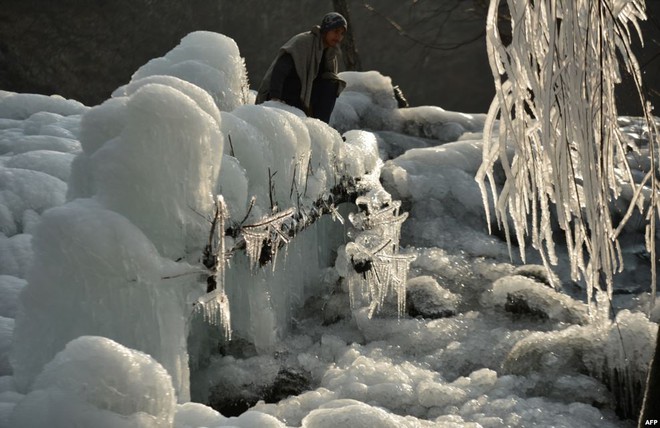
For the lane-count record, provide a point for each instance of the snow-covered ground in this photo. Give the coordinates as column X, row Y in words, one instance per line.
column 349, row 319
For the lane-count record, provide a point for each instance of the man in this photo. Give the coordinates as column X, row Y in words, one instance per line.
column 304, row 73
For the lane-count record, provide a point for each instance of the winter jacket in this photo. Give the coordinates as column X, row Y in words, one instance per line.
column 306, row 49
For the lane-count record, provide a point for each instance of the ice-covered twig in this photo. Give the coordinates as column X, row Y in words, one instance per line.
column 215, row 305
column 374, row 253
column 383, row 270
column 262, row 239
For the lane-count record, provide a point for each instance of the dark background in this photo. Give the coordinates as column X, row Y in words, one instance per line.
column 433, row 49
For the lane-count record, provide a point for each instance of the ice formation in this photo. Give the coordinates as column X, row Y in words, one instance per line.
column 570, row 161
column 558, row 165
column 368, row 102
column 24, row 106
column 114, row 288
column 214, row 305
column 139, row 236
column 378, row 268
column 138, row 262
column 95, row 381
column 219, row 71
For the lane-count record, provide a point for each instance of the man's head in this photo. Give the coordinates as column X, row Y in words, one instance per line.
column 333, row 28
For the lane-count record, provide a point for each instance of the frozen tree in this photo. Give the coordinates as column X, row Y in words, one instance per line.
column 555, row 103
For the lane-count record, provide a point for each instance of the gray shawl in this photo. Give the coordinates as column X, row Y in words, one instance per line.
column 306, row 49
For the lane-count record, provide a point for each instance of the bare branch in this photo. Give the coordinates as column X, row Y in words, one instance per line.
column 404, row 33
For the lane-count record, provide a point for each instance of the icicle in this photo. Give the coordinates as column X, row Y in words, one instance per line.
column 254, row 240
column 555, row 99
column 380, row 269
column 214, row 306
column 267, row 231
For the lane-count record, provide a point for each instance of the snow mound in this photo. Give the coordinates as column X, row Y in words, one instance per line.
column 21, row 143
column 112, row 268
column 22, row 106
column 95, row 381
column 16, row 255
column 23, row 190
column 36, row 152
column 6, row 330
column 149, row 156
column 10, row 287
column 368, row 102
column 208, row 60
column 351, row 413
column 195, row 415
column 54, row 163
column 447, row 207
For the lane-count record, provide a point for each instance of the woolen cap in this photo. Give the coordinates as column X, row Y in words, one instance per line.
column 333, row 20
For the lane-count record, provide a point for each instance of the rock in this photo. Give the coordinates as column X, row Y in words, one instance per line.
column 333, row 307
column 518, row 304
column 525, row 297
column 234, row 405
column 336, row 307
column 233, row 400
column 539, row 274
column 289, row 381
column 551, row 354
column 427, row 299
